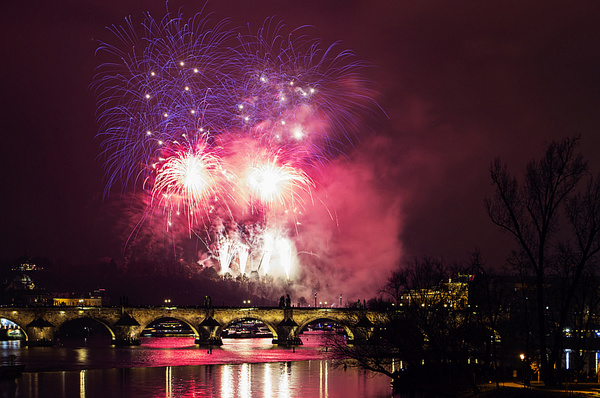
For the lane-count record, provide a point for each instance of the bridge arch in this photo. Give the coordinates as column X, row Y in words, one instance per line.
column 21, row 327
column 231, row 320
column 342, row 323
column 85, row 318
column 125, row 323
column 188, row 323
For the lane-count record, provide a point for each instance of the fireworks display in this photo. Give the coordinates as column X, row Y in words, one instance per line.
column 227, row 133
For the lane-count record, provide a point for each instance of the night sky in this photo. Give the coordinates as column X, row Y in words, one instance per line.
column 461, row 83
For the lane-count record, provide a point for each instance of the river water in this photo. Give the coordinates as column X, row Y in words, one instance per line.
column 175, row 367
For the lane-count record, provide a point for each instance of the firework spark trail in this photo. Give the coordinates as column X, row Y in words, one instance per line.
column 299, row 96
column 219, row 123
column 187, row 180
column 275, row 183
column 226, row 253
column 267, row 252
column 284, row 248
column 243, row 257
column 158, row 93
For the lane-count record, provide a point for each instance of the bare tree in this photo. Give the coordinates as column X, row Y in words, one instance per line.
column 535, row 212
column 381, row 353
column 431, row 329
column 582, row 325
column 490, row 294
column 394, row 285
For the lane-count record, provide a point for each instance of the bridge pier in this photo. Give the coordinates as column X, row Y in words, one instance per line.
column 287, row 331
column 127, row 331
column 210, row 341
column 208, row 331
column 126, row 336
column 40, row 332
column 362, row 331
column 39, row 337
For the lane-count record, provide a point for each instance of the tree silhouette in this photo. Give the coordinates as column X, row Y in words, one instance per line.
column 536, row 211
column 431, row 329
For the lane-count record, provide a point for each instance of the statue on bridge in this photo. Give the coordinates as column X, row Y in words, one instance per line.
column 285, row 301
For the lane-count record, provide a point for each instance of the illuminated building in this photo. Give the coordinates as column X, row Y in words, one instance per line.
column 95, row 298
column 454, row 294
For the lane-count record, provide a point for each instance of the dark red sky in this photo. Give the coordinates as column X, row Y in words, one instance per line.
column 461, row 82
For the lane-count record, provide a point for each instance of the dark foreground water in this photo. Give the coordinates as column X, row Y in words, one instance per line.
column 175, row 367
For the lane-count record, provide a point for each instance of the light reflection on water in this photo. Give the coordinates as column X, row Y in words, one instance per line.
column 82, row 383
column 241, row 368
column 283, row 380
column 267, row 380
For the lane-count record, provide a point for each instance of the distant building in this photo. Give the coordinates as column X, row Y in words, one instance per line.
column 27, row 265
column 454, row 294
column 96, row 298
column 18, row 287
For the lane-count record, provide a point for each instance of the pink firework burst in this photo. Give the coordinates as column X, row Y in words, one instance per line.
column 275, row 182
column 187, row 182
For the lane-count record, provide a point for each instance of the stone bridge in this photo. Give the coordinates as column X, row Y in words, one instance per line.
column 125, row 324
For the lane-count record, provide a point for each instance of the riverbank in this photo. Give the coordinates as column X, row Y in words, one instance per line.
column 536, row 390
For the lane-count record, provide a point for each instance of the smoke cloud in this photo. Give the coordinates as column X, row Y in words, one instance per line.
column 349, row 240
